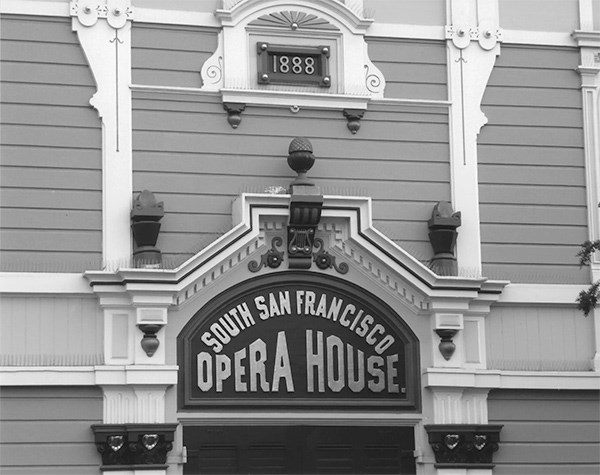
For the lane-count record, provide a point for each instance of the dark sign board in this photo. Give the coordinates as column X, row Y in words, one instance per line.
column 297, row 338
column 294, row 65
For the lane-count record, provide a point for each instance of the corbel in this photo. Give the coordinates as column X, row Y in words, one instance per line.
column 305, row 208
column 353, row 116
column 447, row 325
column 469, row 446
column 234, row 112
column 134, row 446
column 446, row 346
column 150, row 320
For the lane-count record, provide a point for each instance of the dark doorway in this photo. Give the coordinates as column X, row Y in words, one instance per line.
column 299, row 449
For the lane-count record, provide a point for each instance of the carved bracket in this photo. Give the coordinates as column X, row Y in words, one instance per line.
column 234, row 113
column 134, row 446
column 324, row 260
column 446, row 346
column 150, row 342
column 305, row 214
column 463, row 445
column 353, row 117
column 272, row 258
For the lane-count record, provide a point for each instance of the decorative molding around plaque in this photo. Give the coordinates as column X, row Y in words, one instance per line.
column 294, row 21
column 309, row 54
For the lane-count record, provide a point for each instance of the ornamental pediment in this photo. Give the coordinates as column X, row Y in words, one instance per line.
column 293, row 74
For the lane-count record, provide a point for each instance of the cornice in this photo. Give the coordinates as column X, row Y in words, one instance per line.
column 590, row 39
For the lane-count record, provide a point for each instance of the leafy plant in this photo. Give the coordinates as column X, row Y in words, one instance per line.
column 587, row 300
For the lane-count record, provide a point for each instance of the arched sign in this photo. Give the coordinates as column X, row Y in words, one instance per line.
column 297, row 338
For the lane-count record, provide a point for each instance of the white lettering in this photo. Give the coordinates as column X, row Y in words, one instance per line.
column 205, row 378
column 392, row 372
column 334, row 309
column 309, row 308
column 348, row 310
column 384, row 344
column 314, row 361
column 322, row 307
column 370, row 339
column 356, row 385
column 282, row 368
column 374, row 364
column 258, row 357
column 239, row 371
column 335, row 372
column 259, row 302
column 209, row 340
column 223, row 371
column 220, row 333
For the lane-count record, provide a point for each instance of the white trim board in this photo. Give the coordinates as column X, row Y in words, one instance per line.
column 87, row 375
column 497, row 379
column 160, row 375
column 191, row 18
column 32, row 283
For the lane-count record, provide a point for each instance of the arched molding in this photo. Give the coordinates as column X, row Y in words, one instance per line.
column 335, row 12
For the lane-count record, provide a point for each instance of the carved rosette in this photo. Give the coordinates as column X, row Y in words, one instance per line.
column 464, row 445
column 485, row 33
column 134, row 446
column 115, row 12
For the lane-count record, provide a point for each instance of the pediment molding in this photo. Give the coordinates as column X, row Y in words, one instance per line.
column 347, row 233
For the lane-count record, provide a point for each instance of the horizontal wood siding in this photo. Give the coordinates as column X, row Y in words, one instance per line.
column 186, row 153
column 413, row 69
column 51, row 168
column 546, row 432
column 539, row 339
column 531, row 167
column 46, row 430
column 169, row 55
column 50, row 331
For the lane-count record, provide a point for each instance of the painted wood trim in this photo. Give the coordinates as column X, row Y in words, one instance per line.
column 496, row 379
column 151, row 376
column 146, row 375
column 203, row 19
column 43, row 283
column 540, row 294
column 471, row 58
column 106, row 43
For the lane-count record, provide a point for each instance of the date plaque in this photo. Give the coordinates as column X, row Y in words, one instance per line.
column 293, row 65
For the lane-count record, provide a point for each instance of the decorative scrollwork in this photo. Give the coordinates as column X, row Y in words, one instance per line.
column 372, row 80
column 324, row 260
column 272, row 258
column 215, row 71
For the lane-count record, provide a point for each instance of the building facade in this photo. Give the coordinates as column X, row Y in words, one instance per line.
column 308, row 236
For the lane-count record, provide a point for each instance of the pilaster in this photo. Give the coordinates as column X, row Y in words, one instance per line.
column 473, row 37
column 589, row 69
column 134, row 381
column 104, row 31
